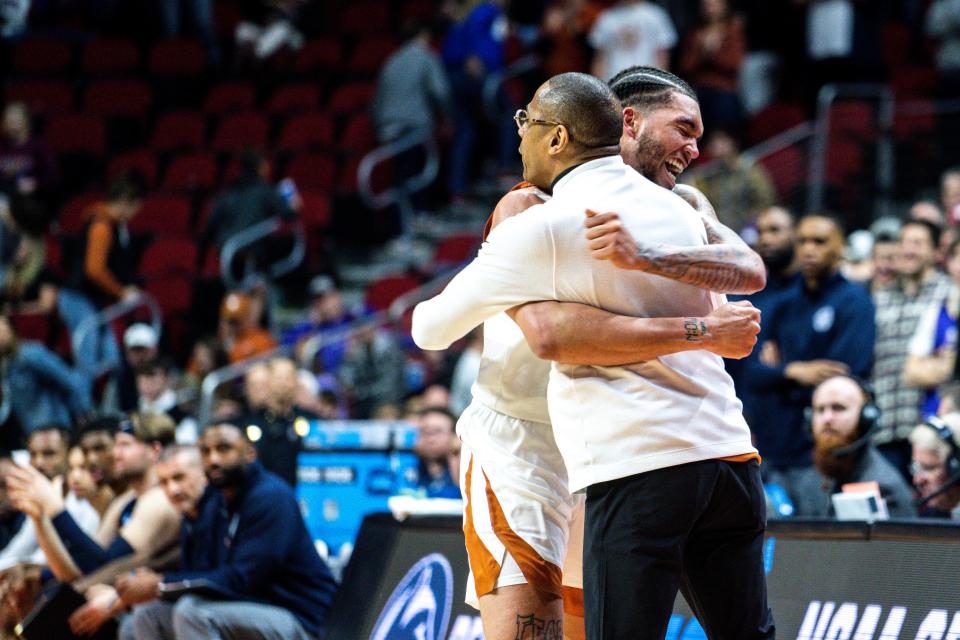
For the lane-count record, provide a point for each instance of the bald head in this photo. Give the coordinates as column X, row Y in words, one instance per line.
column 587, row 106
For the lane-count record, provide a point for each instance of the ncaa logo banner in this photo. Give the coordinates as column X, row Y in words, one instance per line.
column 419, row 608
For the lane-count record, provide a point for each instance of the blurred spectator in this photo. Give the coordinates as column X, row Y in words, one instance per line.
column 48, row 455
column 39, row 388
column 857, row 263
column 140, row 521
column 472, row 50
column 842, row 420
column 277, row 30
column 10, row 519
column 631, row 32
column 109, row 269
column 899, row 308
column 943, row 25
column 438, row 449
column 273, row 583
column 466, row 371
column 843, row 42
column 950, row 194
column 256, row 386
column 247, row 201
column 566, row 24
column 932, row 351
column 96, row 441
column 413, row 95
column 738, row 189
column 711, row 58
column 27, row 165
column 883, row 254
column 278, row 429
column 372, row 371
column 140, row 345
column 821, row 327
column 927, row 210
column 207, row 356
column 326, row 313
column 239, row 329
column 158, row 397
column 80, row 482
column 935, row 466
column 13, row 17
column 201, row 17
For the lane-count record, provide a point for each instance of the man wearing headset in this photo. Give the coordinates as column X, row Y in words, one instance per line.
column 936, row 466
column 842, row 420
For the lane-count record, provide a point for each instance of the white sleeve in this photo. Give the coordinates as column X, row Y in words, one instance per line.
column 83, row 514
column 23, row 547
column 921, row 344
column 599, row 37
column 514, row 266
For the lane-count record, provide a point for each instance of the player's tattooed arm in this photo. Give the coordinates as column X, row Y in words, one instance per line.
column 726, row 265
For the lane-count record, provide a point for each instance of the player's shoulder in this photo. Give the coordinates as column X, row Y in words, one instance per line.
column 516, row 201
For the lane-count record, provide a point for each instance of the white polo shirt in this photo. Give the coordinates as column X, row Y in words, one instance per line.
column 609, row 422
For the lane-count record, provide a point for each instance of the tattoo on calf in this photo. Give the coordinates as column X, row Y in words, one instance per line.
column 529, row 627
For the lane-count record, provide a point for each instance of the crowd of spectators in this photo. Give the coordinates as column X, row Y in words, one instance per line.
column 853, row 381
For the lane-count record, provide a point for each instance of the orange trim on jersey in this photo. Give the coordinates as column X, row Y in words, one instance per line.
column 544, row 576
column 744, row 457
column 488, row 225
column 573, row 601
column 482, row 563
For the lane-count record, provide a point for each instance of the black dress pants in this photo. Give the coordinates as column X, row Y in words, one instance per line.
column 697, row 527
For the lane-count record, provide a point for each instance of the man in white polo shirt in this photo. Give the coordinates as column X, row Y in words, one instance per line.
column 621, row 423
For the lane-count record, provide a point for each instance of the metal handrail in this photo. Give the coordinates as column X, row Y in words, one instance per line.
column 827, row 95
column 218, row 377
column 399, row 192
column 254, row 234
column 94, row 323
column 491, row 86
column 751, row 156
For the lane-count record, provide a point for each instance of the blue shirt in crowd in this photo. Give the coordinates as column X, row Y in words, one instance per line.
column 833, row 322
column 257, row 548
column 41, row 388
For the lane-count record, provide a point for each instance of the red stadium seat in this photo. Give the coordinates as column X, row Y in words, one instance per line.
column 177, row 58
column 773, row 119
column 787, row 169
column 291, row 98
column 369, row 55
column 346, row 181
column 381, row 293
column 352, row 97
column 116, row 55
column 455, row 249
column 364, row 18
column 31, row 326
column 192, row 172
column 41, row 56
column 312, row 171
column 118, row 98
column 162, row 215
column 45, row 97
column 315, row 213
column 417, row 10
column 241, row 131
column 76, row 133
column 914, row 82
column 322, row 54
column 914, row 119
column 174, row 294
column 312, row 131
column 853, row 118
column 179, row 130
column 141, row 160
column 72, row 215
column 844, row 161
column 358, row 135
column 895, row 44
column 230, row 97
column 169, row 256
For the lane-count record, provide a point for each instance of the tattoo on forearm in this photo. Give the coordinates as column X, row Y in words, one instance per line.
column 529, row 627
column 695, row 328
column 717, row 267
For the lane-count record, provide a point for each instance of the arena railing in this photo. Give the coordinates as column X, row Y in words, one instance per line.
column 494, row 83
column 253, row 235
column 95, row 323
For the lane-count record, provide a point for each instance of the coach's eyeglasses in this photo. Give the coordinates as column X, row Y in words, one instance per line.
column 522, row 118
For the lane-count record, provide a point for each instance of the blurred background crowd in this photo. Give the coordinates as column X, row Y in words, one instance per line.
column 211, row 210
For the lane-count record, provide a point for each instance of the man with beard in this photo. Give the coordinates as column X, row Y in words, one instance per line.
column 842, row 420
column 139, row 521
column 820, row 327
column 245, row 540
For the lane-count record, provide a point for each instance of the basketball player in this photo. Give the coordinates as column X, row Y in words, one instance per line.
column 518, row 506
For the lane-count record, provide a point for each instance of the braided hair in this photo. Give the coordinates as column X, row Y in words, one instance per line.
column 646, row 87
